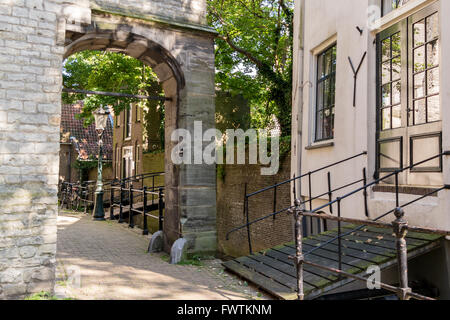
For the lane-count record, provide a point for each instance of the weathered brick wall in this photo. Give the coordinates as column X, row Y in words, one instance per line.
column 230, row 213
column 30, row 84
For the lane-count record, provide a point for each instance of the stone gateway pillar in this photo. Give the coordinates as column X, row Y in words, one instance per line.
column 36, row 36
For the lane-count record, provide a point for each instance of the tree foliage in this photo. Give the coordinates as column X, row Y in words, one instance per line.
column 111, row 72
column 254, row 55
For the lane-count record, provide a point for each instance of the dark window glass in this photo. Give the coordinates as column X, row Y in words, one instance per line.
column 426, row 107
column 390, row 5
column 128, row 113
column 325, row 99
column 391, row 82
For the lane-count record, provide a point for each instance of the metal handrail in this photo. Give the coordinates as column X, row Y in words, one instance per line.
column 400, row 228
column 274, row 188
column 286, row 209
column 377, row 181
column 306, row 174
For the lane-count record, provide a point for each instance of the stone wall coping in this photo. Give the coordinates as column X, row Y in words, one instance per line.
column 154, row 18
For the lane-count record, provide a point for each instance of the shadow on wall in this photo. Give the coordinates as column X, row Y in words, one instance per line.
column 230, row 209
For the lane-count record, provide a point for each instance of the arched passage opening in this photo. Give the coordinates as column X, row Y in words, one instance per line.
column 120, row 37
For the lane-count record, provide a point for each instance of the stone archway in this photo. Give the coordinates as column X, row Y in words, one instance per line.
column 179, row 47
column 157, row 47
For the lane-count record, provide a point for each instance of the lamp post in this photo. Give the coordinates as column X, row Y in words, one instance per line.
column 101, row 119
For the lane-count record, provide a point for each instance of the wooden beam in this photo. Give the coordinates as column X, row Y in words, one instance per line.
column 115, row 94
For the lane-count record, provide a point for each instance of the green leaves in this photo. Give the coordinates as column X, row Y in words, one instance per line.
column 107, row 71
column 254, row 55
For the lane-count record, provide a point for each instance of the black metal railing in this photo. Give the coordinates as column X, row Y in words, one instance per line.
column 395, row 174
column 400, row 226
column 309, row 201
column 137, row 195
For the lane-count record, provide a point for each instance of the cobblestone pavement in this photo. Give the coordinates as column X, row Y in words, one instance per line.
column 107, row 261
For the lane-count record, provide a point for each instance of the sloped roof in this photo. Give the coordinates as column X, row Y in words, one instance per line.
column 84, row 138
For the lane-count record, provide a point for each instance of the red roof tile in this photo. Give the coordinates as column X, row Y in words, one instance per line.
column 84, row 138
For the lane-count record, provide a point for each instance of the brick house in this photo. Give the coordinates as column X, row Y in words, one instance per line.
column 79, row 143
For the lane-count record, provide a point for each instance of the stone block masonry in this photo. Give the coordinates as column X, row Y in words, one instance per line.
column 30, row 81
column 35, row 36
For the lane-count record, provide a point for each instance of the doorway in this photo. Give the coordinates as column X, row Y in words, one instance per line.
column 409, row 126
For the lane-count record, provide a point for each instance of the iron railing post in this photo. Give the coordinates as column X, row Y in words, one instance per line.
column 121, row 219
column 247, row 218
column 144, row 210
column 111, row 202
column 298, row 258
column 366, row 207
column 85, row 195
column 330, row 198
column 339, row 235
column 274, row 202
column 397, row 199
column 310, row 201
column 400, row 226
column 160, row 208
column 130, row 212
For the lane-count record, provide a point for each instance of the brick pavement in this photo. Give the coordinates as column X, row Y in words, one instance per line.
column 113, row 264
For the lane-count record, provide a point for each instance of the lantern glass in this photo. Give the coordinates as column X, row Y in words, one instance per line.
column 101, row 118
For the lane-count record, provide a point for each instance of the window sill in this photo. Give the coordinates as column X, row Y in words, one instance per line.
column 411, row 190
column 398, row 14
column 320, row 145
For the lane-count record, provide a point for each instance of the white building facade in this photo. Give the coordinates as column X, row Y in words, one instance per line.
column 395, row 108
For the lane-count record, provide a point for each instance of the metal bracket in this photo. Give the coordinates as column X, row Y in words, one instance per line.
column 355, row 75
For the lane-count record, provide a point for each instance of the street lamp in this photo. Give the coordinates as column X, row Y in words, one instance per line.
column 101, row 119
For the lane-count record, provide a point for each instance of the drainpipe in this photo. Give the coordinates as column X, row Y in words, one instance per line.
column 297, row 93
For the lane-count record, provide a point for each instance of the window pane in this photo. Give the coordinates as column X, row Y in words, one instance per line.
column 320, row 70
column 419, row 85
column 432, row 54
column 432, row 27
column 419, row 59
column 390, row 155
column 396, row 68
column 386, row 72
column 325, row 94
column 386, row 95
column 396, row 45
column 396, row 92
column 396, row 117
column 328, row 125
column 328, row 63
column 386, row 49
column 389, row 5
column 386, row 119
column 419, row 33
column 420, row 112
column 320, row 105
column 333, row 58
column 434, row 110
column 425, row 148
column 433, row 81
column 319, row 125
